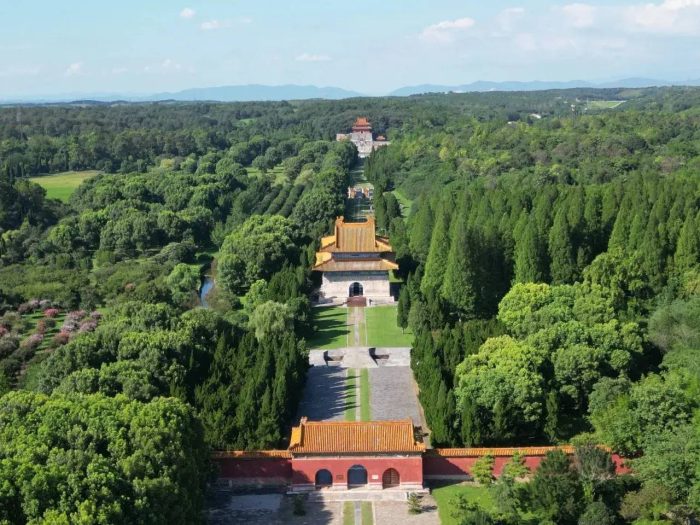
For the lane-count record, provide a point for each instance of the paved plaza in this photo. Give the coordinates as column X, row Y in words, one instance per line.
column 393, row 394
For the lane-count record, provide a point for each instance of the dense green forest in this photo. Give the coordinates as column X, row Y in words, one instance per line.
column 550, row 256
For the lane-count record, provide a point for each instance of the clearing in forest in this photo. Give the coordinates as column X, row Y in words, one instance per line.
column 62, row 185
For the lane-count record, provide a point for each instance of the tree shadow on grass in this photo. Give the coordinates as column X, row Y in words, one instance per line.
column 328, row 330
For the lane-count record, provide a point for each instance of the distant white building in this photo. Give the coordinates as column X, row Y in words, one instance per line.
column 363, row 138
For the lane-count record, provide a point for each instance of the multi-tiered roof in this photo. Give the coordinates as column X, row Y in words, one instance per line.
column 353, row 247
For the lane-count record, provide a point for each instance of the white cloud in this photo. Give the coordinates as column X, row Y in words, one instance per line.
column 580, row 15
column 119, row 70
column 446, row 30
column 211, row 25
column 507, row 18
column 21, row 71
column 187, row 12
column 74, row 69
column 170, row 65
column 308, row 57
column 669, row 16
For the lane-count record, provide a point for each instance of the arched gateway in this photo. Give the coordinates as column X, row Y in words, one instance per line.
column 355, row 290
column 353, row 454
column 390, row 478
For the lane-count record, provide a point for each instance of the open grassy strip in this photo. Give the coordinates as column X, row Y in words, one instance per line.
column 445, row 498
column 365, row 411
column 62, row 185
column 604, row 104
column 330, row 328
column 348, row 513
column 351, row 395
column 382, row 330
column 367, row 515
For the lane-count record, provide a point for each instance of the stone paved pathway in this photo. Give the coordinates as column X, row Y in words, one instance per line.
column 325, row 394
column 392, row 394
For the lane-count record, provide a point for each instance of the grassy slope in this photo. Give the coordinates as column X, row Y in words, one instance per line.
column 405, row 203
column 62, row 185
column 382, row 329
column 330, row 328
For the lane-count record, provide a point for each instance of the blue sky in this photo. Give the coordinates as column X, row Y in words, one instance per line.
column 372, row 46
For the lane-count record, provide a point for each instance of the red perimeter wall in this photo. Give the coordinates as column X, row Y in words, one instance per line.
column 281, row 469
column 439, row 466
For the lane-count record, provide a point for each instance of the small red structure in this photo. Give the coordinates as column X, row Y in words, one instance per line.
column 343, row 455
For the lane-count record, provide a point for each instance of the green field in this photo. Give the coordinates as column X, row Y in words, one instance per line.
column 445, row 495
column 604, row 104
column 277, row 172
column 365, row 411
column 330, row 328
column 382, row 329
column 482, row 496
column 62, row 185
column 367, row 514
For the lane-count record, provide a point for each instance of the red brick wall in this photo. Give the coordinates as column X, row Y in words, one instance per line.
column 255, row 469
column 410, row 469
column 436, row 467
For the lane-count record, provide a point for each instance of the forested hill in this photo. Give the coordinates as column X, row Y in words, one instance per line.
column 550, row 248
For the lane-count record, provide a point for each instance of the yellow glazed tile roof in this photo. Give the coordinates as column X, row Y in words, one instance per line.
column 335, row 437
column 504, row 451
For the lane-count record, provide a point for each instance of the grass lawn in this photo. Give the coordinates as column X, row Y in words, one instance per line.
column 350, row 397
column 365, row 412
column 444, row 495
column 62, row 185
column 277, row 172
column 367, row 515
column 382, row 329
column 604, row 104
column 330, row 328
column 348, row 513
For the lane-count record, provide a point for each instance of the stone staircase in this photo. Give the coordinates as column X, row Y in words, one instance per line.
column 328, row 496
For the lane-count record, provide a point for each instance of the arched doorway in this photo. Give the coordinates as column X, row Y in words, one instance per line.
column 323, row 478
column 390, row 478
column 357, row 475
column 355, row 290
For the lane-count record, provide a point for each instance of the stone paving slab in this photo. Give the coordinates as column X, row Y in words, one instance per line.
column 392, row 394
column 325, row 394
column 396, row 513
column 270, row 509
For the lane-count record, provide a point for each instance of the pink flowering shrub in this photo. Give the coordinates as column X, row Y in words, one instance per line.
column 32, row 342
column 41, row 327
column 95, row 315
column 61, row 338
column 87, row 326
column 76, row 315
column 51, row 312
column 3, row 331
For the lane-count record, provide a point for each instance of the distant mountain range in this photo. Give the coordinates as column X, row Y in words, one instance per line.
column 536, row 85
column 259, row 92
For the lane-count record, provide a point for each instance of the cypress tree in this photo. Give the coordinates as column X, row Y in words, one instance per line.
column 529, row 256
column 471, row 431
column 437, row 255
column 421, row 230
column 458, row 283
column 563, row 264
column 688, row 246
column 403, row 308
